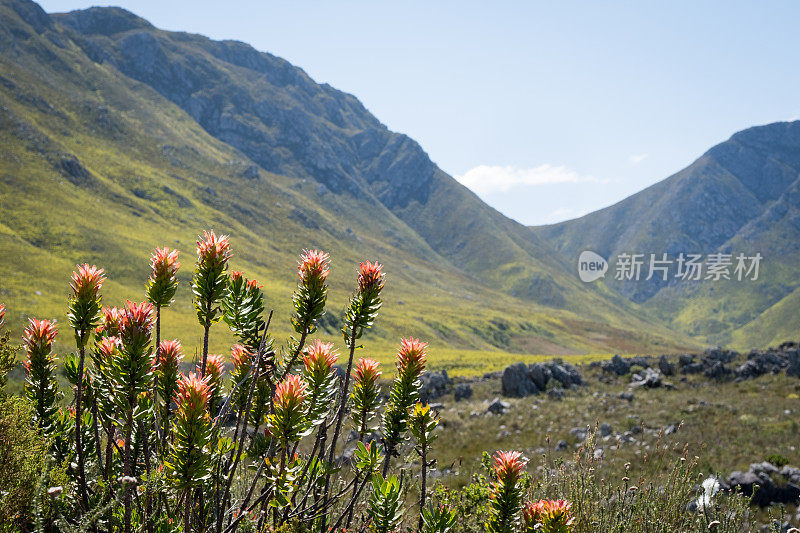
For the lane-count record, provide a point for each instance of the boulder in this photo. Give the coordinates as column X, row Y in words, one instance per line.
column 617, row 365
column 516, row 381
column 605, row 429
column 666, row 368
column 434, row 385
column 717, row 370
column 463, row 391
column 649, row 378
column 793, row 368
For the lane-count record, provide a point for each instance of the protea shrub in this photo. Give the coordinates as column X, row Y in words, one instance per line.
column 506, row 492
column 41, row 386
column 210, row 282
column 219, row 475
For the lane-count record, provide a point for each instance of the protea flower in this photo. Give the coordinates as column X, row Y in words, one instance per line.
column 136, row 325
column 506, row 493
column 548, row 516
column 40, row 384
column 163, row 280
column 84, row 302
column 370, row 277
column 310, row 296
column 209, row 282
column 109, row 325
column 243, row 308
column 365, row 395
column 532, row 516
column 365, row 303
column 411, row 358
column 288, row 421
column 190, row 463
column 318, row 360
column 168, row 360
column 215, row 368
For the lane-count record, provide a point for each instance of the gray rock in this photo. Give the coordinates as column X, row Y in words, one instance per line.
column 556, row 393
column 605, row 429
column 793, row 368
column 516, row 381
column 717, row 370
column 463, row 391
column 650, row 378
column 434, row 385
column 617, row 365
column 666, row 368
column 561, row 446
column 628, row 396
column 498, row 407
column 579, row 433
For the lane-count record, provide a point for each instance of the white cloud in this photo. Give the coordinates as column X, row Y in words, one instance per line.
column 486, row 179
column 637, row 158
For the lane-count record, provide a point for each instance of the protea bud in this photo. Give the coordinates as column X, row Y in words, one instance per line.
column 548, row 516
column 109, row 322
column 310, row 296
column 411, row 358
column 84, row 302
column 365, row 395
column 190, row 464
column 163, row 280
column 168, row 360
column 506, row 493
column 215, row 368
column 209, row 281
column 362, row 310
column 40, row 384
column 136, row 326
column 243, row 308
column 318, row 360
column 288, row 421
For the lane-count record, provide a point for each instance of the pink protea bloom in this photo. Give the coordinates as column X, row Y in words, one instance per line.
column 170, row 354
column 290, row 393
column 215, row 367
column 213, row 250
column 253, row 284
column 412, row 356
column 107, row 347
column 367, row 372
column 319, row 357
column 370, row 277
column 86, row 282
column 236, row 275
column 533, row 513
column 313, row 267
column 558, row 513
column 164, row 263
column 193, row 393
column 240, row 356
column 136, row 323
column 112, row 316
column 2, row 315
column 508, row 465
column 38, row 335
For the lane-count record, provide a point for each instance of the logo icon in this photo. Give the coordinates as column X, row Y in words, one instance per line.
column 591, row 266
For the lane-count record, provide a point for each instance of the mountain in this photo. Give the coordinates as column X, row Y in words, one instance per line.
column 741, row 196
column 116, row 136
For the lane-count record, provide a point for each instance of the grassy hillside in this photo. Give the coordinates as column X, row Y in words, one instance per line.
column 97, row 167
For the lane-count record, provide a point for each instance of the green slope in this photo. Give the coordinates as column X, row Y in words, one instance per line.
column 98, row 167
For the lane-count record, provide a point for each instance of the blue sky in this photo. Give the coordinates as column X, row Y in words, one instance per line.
column 548, row 110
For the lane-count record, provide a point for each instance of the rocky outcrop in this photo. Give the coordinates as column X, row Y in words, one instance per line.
column 520, row 380
column 767, row 484
column 434, row 385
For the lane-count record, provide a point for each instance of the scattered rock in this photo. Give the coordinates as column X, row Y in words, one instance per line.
column 579, row 433
column 498, row 407
column 561, row 446
column 605, row 429
column 462, row 392
column 766, row 484
column 650, row 378
column 666, row 368
column 520, row 380
column 628, row 396
column 556, row 393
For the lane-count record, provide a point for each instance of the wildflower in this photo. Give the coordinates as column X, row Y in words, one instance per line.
column 41, row 386
column 193, row 393
column 240, row 356
column 163, row 281
column 190, row 463
column 210, row 282
column 84, row 302
column 109, row 322
column 532, row 515
column 711, row 487
column 313, row 267
column 318, row 360
column 411, row 358
column 370, row 277
column 168, row 359
column 136, row 325
column 288, row 422
column 212, row 250
column 311, row 294
column 506, row 493
column 365, row 393
column 86, row 282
